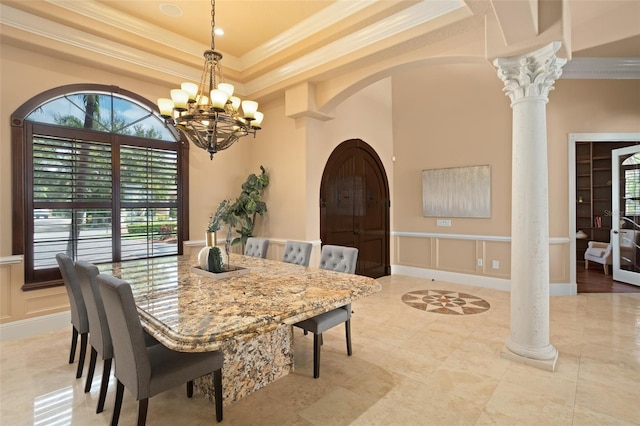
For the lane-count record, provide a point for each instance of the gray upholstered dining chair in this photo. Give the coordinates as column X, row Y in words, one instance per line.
column 99, row 335
column 297, row 252
column 79, row 318
column 147, row 371
column 340, row 259
column 256, row 247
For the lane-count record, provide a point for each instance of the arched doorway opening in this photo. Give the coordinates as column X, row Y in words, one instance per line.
column 355, row 204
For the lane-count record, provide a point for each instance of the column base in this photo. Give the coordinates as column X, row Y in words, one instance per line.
column 542, row 364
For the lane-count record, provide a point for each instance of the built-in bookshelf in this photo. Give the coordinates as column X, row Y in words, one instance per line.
column 593, row 192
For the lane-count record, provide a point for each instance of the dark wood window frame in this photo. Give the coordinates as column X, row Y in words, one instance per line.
column 22, row 182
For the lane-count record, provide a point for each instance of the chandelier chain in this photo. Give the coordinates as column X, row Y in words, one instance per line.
column 213, row 24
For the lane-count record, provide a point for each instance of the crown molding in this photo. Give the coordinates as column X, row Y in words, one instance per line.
column 602, row 68
column 100, row 12
column 385, row 28
column 50, row 30
column 328, row 16
column 336, row 12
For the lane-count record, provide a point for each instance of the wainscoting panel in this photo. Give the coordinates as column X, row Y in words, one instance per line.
column 16, row 304
column 456, row 255
column 5, row 292
column 499, row 251
column 46, row 301
column 477, row 255
column 559, row 271
column 414, row 251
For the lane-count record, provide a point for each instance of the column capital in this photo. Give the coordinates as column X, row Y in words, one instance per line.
column 532, row 74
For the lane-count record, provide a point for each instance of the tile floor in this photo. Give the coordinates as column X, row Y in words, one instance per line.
column 410, row 366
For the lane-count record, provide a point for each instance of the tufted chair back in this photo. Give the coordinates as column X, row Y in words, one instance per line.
column 256, row 247
column 339, row 258
column 297, row 252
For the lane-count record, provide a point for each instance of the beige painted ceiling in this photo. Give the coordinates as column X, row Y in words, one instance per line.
column 247, row 24
column 270, row 44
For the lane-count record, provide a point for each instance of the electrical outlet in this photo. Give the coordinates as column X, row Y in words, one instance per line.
column 479, row 262
column 495, row 264
column 443, row 222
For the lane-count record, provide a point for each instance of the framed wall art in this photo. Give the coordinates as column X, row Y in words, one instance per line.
column 457, row 192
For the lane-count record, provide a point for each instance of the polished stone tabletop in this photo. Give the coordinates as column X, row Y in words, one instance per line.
column 190, row 312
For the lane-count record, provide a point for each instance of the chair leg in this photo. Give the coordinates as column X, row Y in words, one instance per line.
column 189, row 388
column 347, row 328
column 84, row 337
column 143, row 404
column 586, row 264
column 217, row 393
column 106, row 371
column 606, row 269
column 74, row 343
column 316, row 354
column 118, row 404
column 92, row 368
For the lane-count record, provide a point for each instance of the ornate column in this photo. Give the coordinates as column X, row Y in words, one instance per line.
column 528, row 80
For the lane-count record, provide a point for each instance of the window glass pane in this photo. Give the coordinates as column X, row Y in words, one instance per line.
column 81, row 233
column 148, row 232
column 131, row 119
column 632, row 192
column 104, row 113
column 632, row 160
column 62, row 111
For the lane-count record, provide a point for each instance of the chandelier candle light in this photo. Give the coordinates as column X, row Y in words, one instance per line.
column 209, row 115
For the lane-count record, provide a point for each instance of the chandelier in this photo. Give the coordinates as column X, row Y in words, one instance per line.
column 208, row 115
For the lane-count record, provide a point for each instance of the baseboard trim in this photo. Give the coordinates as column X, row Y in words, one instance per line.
column 32, row 326
column 555, row 289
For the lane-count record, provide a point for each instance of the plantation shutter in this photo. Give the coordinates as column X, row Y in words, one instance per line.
column 74, row 209
column 72, row 191
column 148, row 201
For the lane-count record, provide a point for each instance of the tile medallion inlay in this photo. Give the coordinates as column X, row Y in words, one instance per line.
column 445, row 302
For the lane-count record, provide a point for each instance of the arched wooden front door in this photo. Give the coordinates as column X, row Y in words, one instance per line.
column 354, row 206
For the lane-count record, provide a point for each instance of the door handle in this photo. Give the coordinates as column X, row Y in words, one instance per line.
column 615, row 232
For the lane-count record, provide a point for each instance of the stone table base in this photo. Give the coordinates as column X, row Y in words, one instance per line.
column 252, row 364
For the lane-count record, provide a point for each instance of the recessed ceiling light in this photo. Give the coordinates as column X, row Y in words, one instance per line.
column 219, row 31
column 170, row 9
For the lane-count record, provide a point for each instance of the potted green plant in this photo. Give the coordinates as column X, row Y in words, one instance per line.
column 241, row 214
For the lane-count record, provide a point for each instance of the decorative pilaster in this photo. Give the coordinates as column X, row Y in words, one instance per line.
column 528, row 80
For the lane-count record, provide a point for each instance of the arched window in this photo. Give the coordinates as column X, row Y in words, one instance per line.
column 631, row 167
column 96, row 175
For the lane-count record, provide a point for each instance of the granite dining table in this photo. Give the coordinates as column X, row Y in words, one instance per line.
column 247, row 314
